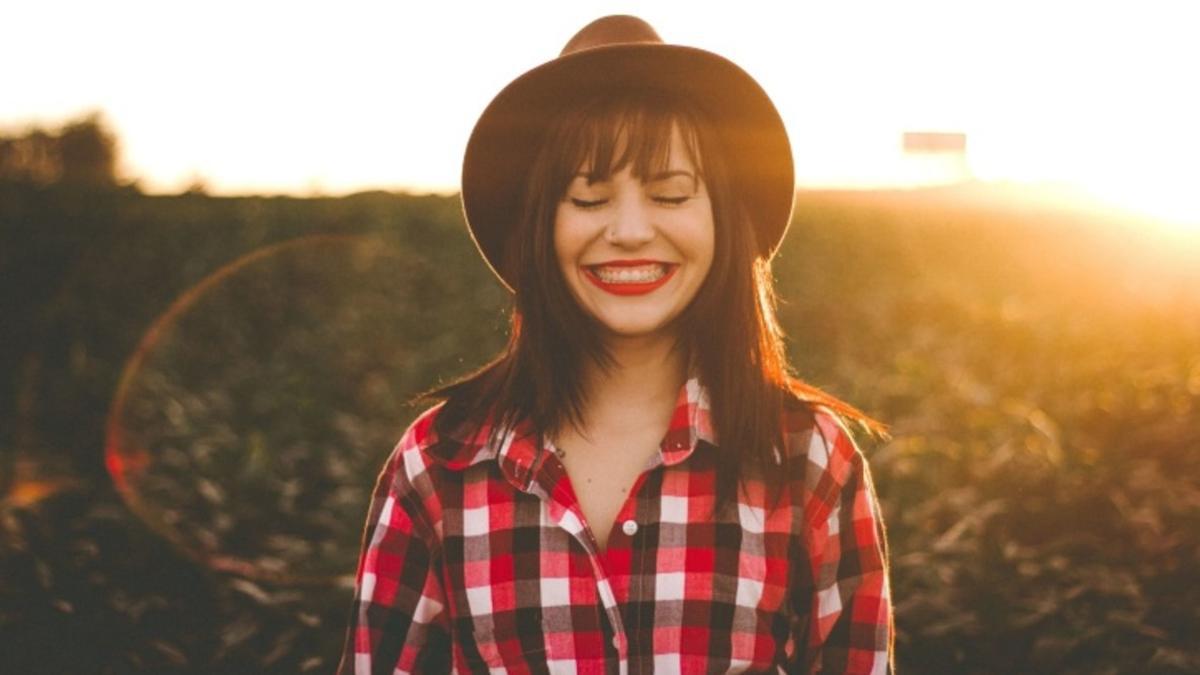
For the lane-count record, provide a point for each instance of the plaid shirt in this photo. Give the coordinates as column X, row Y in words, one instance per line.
column 477, row 558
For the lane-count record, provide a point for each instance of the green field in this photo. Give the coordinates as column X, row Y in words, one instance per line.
column 1039, row 367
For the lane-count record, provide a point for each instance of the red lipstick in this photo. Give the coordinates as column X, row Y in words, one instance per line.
column 628, row 288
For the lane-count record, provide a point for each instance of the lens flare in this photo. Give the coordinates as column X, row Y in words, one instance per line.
column 249, row 424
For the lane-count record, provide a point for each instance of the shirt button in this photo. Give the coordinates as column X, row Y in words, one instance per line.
column 630, row 528
column 616, row 642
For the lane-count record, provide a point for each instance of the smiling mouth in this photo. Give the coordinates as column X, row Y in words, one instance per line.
column 630, row 279
column 627, row 274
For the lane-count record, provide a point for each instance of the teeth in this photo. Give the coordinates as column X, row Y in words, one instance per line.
column 642, row 274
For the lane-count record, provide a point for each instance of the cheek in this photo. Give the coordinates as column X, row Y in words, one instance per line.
column 562, row 243
column 570, row 239
column 705, row 245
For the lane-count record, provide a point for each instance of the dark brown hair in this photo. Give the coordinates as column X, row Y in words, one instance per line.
column 729, row 331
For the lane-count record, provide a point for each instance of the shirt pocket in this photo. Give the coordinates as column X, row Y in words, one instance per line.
column 507, row 644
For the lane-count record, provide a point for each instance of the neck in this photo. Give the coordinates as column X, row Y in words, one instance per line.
column 646, row 371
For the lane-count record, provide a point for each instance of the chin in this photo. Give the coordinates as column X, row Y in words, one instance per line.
column 632, row 333
column 636, row 329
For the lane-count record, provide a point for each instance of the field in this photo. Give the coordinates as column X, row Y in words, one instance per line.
column 199, row 392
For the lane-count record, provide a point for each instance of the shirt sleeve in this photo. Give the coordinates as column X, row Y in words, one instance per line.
column 848, row 599
column 398, row 621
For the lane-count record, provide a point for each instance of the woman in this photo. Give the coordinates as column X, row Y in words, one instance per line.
column 635, row 484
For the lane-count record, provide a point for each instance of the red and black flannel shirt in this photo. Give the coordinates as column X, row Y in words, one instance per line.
column 477, row 558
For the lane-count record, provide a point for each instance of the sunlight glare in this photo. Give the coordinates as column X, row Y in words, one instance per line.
column 384, row 96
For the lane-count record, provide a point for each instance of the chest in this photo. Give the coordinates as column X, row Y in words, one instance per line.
column 602, row 478
column 677, row 580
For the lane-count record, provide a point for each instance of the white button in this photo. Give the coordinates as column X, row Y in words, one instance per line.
column 616, row 642
column 629, row 527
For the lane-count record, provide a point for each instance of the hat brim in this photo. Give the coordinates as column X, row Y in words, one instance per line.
column 508, row 133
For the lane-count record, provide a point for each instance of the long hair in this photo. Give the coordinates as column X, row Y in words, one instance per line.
column 729, row 331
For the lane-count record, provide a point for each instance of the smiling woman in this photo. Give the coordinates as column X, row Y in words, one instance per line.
column 636, row 482
column 625, row 230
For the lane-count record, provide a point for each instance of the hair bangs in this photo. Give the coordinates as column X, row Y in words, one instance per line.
column 613, row 134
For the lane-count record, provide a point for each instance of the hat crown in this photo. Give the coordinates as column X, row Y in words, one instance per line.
column 611, row 30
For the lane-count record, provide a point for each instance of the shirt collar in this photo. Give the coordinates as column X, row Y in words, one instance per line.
column 515, row 447
column 520, row 450
column 690, row 424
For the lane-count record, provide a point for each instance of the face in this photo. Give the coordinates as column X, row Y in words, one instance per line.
column 634, row 252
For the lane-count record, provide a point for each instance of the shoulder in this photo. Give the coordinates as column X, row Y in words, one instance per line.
column 823, row 462
column 438, row 439
column 410, row 457
column 410, row 481
column 437, row 447
column 818, row 441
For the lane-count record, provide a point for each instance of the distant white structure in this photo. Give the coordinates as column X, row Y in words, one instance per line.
column 934, row 158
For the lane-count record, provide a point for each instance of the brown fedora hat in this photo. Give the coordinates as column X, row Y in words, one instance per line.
column 615, row 52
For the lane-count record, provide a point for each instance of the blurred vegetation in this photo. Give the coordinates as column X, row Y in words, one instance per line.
column 81, row 154
column 1041, row 370
column 1039, row 367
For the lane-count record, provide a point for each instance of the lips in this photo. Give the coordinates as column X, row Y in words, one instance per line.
column 630, row 277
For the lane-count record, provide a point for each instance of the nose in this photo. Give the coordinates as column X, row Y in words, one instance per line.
column 632, row 223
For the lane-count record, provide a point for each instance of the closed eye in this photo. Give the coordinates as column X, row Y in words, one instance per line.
column 588, row 203
column 672, row 201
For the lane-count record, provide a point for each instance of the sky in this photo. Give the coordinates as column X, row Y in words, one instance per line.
column 329, row 98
